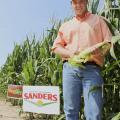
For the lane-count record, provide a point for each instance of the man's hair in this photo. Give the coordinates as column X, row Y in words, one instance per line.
column 75, row 0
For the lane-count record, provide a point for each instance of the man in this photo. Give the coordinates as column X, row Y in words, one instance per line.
column 84, row 30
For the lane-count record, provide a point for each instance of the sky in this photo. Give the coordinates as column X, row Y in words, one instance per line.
column 21, row 18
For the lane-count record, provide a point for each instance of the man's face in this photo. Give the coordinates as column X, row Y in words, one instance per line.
column 79, row 6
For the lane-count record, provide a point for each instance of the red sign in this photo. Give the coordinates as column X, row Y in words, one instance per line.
column 15, row 91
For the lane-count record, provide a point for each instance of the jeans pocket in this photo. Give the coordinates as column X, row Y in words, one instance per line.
column 64, row 65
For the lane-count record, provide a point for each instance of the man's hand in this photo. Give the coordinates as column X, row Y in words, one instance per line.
column 63, row 52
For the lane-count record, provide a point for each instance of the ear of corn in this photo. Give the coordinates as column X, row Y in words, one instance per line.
column 85, row 55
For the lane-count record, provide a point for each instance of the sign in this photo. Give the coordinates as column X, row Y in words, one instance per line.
column 15, row 91
column 41, row 99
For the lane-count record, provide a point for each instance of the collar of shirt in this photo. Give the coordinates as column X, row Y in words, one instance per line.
column 86, row 15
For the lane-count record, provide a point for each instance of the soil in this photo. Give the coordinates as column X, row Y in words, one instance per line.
column 7, row 111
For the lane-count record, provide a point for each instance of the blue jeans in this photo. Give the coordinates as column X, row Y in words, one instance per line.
column 82, row 81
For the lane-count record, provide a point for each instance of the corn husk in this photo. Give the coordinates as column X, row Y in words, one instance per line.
column 84, row 56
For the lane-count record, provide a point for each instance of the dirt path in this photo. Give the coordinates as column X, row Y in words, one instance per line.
column 7, row 111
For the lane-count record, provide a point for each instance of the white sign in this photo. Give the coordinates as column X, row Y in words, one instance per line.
column 41, row 99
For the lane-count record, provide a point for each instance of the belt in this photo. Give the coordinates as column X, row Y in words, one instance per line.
column 87, row 63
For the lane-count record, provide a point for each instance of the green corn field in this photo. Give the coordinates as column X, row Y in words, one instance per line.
column 32, row 63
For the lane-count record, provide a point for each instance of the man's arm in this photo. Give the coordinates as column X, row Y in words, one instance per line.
column 59, row 45
column 65, row 53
